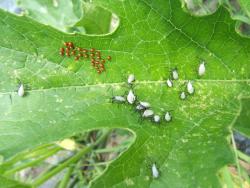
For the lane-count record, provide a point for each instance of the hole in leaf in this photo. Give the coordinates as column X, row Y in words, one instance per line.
column 200, row 8
column 67, row 16
column 76, row 160
column 243, row 29
column 97, row 20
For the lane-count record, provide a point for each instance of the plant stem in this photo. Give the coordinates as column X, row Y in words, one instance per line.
column 71, row 160
column 66, row 178
column 113, row 149
column 73, row 183
column 243, row 156
column 41, row 151
column 236, row 158
column 80, row 178
column 26, row 154
column 33, row 162
column 227, row 179
column 98, row 164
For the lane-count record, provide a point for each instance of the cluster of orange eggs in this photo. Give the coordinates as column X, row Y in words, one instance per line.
column 96, row 60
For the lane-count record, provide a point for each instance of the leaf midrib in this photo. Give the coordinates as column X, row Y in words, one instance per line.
column 104, row 85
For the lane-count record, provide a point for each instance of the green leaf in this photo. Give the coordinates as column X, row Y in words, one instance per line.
column 64, row 97
column 242, row 121
column 243, row 28
column 239, row 11
column 60, row 14
column 8, row 183
column 200, row 7
column 69, row 16
column 245, row 6
column 96, row 19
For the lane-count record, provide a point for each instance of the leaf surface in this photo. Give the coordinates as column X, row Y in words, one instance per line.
column 65, row 97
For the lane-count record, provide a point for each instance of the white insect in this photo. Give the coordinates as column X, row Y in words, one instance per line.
column 157, row 118
column 148, row 113
column 175, row 74
column 131, row 78
column 183, row 95
column 20, row 91
column 142, row 106
column 145, row 104
column 139, row 107
column 202, row 69
column 190, row 88
column 168, row 117
column 155, row 171
column 169, row 83
column 118, row 99
column 131, row 97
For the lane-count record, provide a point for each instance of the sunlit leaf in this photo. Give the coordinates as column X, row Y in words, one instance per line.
column 64, row 97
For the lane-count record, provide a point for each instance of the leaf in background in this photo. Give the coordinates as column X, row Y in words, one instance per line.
column 60, row 14
column 245, row 6
column 8, row 183
column 96, row 20
column 239, row 11
column 200, row 7
column 64, row 97
column 242, row 122
column 68, row 16
column 243, row 26
column 10, row 6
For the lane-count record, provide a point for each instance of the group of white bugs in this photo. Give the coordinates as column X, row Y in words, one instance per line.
column 144, row 107
column 190, row 90
column 141, row 106
column 189, row 85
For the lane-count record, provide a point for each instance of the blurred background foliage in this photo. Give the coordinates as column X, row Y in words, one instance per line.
column 238, row 9
column 67, row 16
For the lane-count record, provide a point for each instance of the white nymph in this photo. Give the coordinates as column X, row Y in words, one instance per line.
column 142, row 106
column 155, row 171
column 175, row 74
column 168, row 117
column 145, row 104
column 157, row 118
column 202, row 69
column 118, row 99
column 131, row 97
column 183, row 95
column 190, row 88
column 169, row 83
column 20, row 91
column 131, row 78
column 148, row 113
